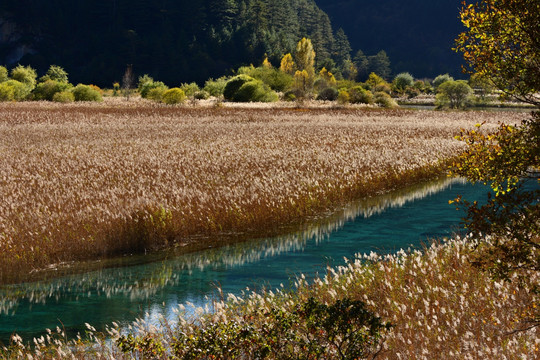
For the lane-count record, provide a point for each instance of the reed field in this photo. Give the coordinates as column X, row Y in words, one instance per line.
column 87, row 181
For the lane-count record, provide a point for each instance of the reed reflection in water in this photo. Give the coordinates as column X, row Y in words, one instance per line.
column 124, row 293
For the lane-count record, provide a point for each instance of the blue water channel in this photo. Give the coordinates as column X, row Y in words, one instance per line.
column 386, row 223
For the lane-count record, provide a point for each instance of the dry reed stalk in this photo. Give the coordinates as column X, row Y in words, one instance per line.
column 82, row 181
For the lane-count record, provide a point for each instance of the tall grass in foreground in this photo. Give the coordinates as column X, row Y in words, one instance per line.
column 440, row 307
column 95, row 180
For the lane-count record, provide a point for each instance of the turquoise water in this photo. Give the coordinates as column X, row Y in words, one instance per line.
column 122, row 294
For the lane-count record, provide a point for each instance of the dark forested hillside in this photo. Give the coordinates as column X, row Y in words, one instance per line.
column 416, row 34
column 175, row 41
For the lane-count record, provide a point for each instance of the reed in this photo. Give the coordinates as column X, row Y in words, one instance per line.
column 84, row 181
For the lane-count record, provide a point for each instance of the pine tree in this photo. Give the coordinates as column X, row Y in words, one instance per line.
column 380, row 64
column 342, row 48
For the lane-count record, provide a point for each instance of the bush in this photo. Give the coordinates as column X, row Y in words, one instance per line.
column 215, row 87
column 382, row 87
column 3, row 74
column 277, row 80
column 86, row 93
column 55, row 73
column 201, row 95
column 147, row 87
column 25, row 75
column 190, row 89
column 234, row 84
column 291, row 95
column 441, row 79
column 173, row 96
column 156, row 94
column 7, row 93
column 46, row 90
column 343, row 97
column 20, row 90
column 454, row 94
column 63, row 97
column 384, row 100
column 402, row 81
column 255, row 91
column 359, row 95
column 328, row 94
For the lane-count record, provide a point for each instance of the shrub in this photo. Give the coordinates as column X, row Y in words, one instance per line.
column 148, row 86
column 173, row 96
column 7, row 93
column 3, row 74
column 277, row 80
column 201, row 95
column 359, row 95
column 143, row 80
column 86, row 93
column 255, row 91
column 328, row 94
column 402, row 81
column 441, row 79
column 382, row 87
column 190, row 89
column 290, row 95
column 46, row 90
column 384, row 100
column 20, row 90
column 25, row 75
column 374, row 80
column 156, row 94
column 453, row 94
column 234, row 84
column 343, row 97
column 63, row 97
column 55, row 73
column 215, row 87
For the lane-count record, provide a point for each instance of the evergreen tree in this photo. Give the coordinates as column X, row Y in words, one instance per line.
column 380, row 64
column 362, row 65
column 342, row 48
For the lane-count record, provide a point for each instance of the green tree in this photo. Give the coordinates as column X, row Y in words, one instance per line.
column 380, row 64
column 440, row 79
column 362, row 65
column 3, row 74
column 55, row 73
column 402, row 81
column 25, row 75
column 453, row 94
column 342, row 48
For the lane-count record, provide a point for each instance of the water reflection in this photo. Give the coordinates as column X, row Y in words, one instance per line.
column 124, row 293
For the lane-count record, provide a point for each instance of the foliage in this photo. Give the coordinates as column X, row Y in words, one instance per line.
column 359, row 95
column 26, row 75
column 302, row 82
column 349, row 70
column 47, row 89
column 147, row 84
column 441, row 79
column 305, row 60
column 83, row 92
column 287, row 64
column 173, row 96
column 374, row 80
column 215, row 87
column 254, row 91
column 190, row 89
column 329, row 93
column 20, row 91
column 55, row 73
column 402, row 81
column 501, row 43
column 383, row 99
column 343, row 97
column 156, row 94
column 7, row 93
column 482, row 86
column 3, row 74
column 454, row 94
column 343, row 330
column 63, row 97
column 380, row 64
column 234, row 84
column 276, row 79
column 201, row 95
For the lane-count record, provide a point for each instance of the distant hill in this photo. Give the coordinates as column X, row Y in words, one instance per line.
column 417, row 35
column 174, row 41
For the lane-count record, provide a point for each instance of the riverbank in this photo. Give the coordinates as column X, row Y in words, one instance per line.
column 92, row 181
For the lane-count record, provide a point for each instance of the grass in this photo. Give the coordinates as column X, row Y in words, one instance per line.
column 435, row 300
column 87, row 181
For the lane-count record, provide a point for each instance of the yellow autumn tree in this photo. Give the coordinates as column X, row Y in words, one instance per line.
column 287, row 64
column 305, row 59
